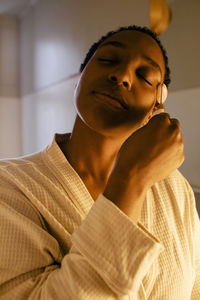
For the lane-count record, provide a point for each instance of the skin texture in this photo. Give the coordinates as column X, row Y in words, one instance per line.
column 108, row 148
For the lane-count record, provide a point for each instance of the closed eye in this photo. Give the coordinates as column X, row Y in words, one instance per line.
column 143, row 78
column 106, row 60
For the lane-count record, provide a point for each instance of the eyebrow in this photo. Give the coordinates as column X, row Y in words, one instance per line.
column 123, row 46
column 113, row 43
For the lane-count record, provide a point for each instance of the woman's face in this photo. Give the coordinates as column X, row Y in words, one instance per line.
column 117, row 89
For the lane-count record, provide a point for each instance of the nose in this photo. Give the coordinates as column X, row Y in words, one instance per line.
column 121, row 77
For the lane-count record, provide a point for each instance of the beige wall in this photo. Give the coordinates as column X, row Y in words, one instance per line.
column 10, row 127
column 183, row 44
column 10, row 105
column 45, row 112
column 185, row 106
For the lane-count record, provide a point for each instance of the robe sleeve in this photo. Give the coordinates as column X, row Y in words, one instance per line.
column 108, row 259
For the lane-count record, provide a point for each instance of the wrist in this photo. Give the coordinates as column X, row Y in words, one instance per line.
column 127, row 193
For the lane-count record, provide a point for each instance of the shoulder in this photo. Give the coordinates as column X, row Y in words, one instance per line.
column 16, row 179
column 15, row 169
column 176, row 183
column 20, row 161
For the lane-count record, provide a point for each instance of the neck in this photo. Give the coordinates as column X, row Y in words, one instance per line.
column 92, row 155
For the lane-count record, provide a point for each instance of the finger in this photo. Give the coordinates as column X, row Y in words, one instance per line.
column 175, row 123
column 163, row 116
column 160, row 108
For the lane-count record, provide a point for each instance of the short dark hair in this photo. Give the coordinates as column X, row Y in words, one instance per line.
column 145, row 30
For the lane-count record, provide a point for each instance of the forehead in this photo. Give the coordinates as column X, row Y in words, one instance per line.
column 136, row 42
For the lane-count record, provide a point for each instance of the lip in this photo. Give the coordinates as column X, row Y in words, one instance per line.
column 110, row 97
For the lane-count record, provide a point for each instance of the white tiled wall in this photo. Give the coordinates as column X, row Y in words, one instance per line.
column 10, row 127
column 10, row 104
column 48, row 111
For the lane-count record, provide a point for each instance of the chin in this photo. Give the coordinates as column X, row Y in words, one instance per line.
column 121, row 132
column 118, row 124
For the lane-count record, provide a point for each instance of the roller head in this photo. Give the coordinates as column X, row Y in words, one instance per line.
column 161, row 97
column 161, row 93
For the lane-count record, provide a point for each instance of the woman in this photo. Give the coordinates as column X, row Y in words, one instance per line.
column 103, row 213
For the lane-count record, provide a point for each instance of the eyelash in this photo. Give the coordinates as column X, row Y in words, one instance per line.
column 106, row 60
column 141, row 76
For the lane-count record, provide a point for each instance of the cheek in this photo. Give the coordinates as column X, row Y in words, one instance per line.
column 143, row 107
column 85, row 83
column 145, row 100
